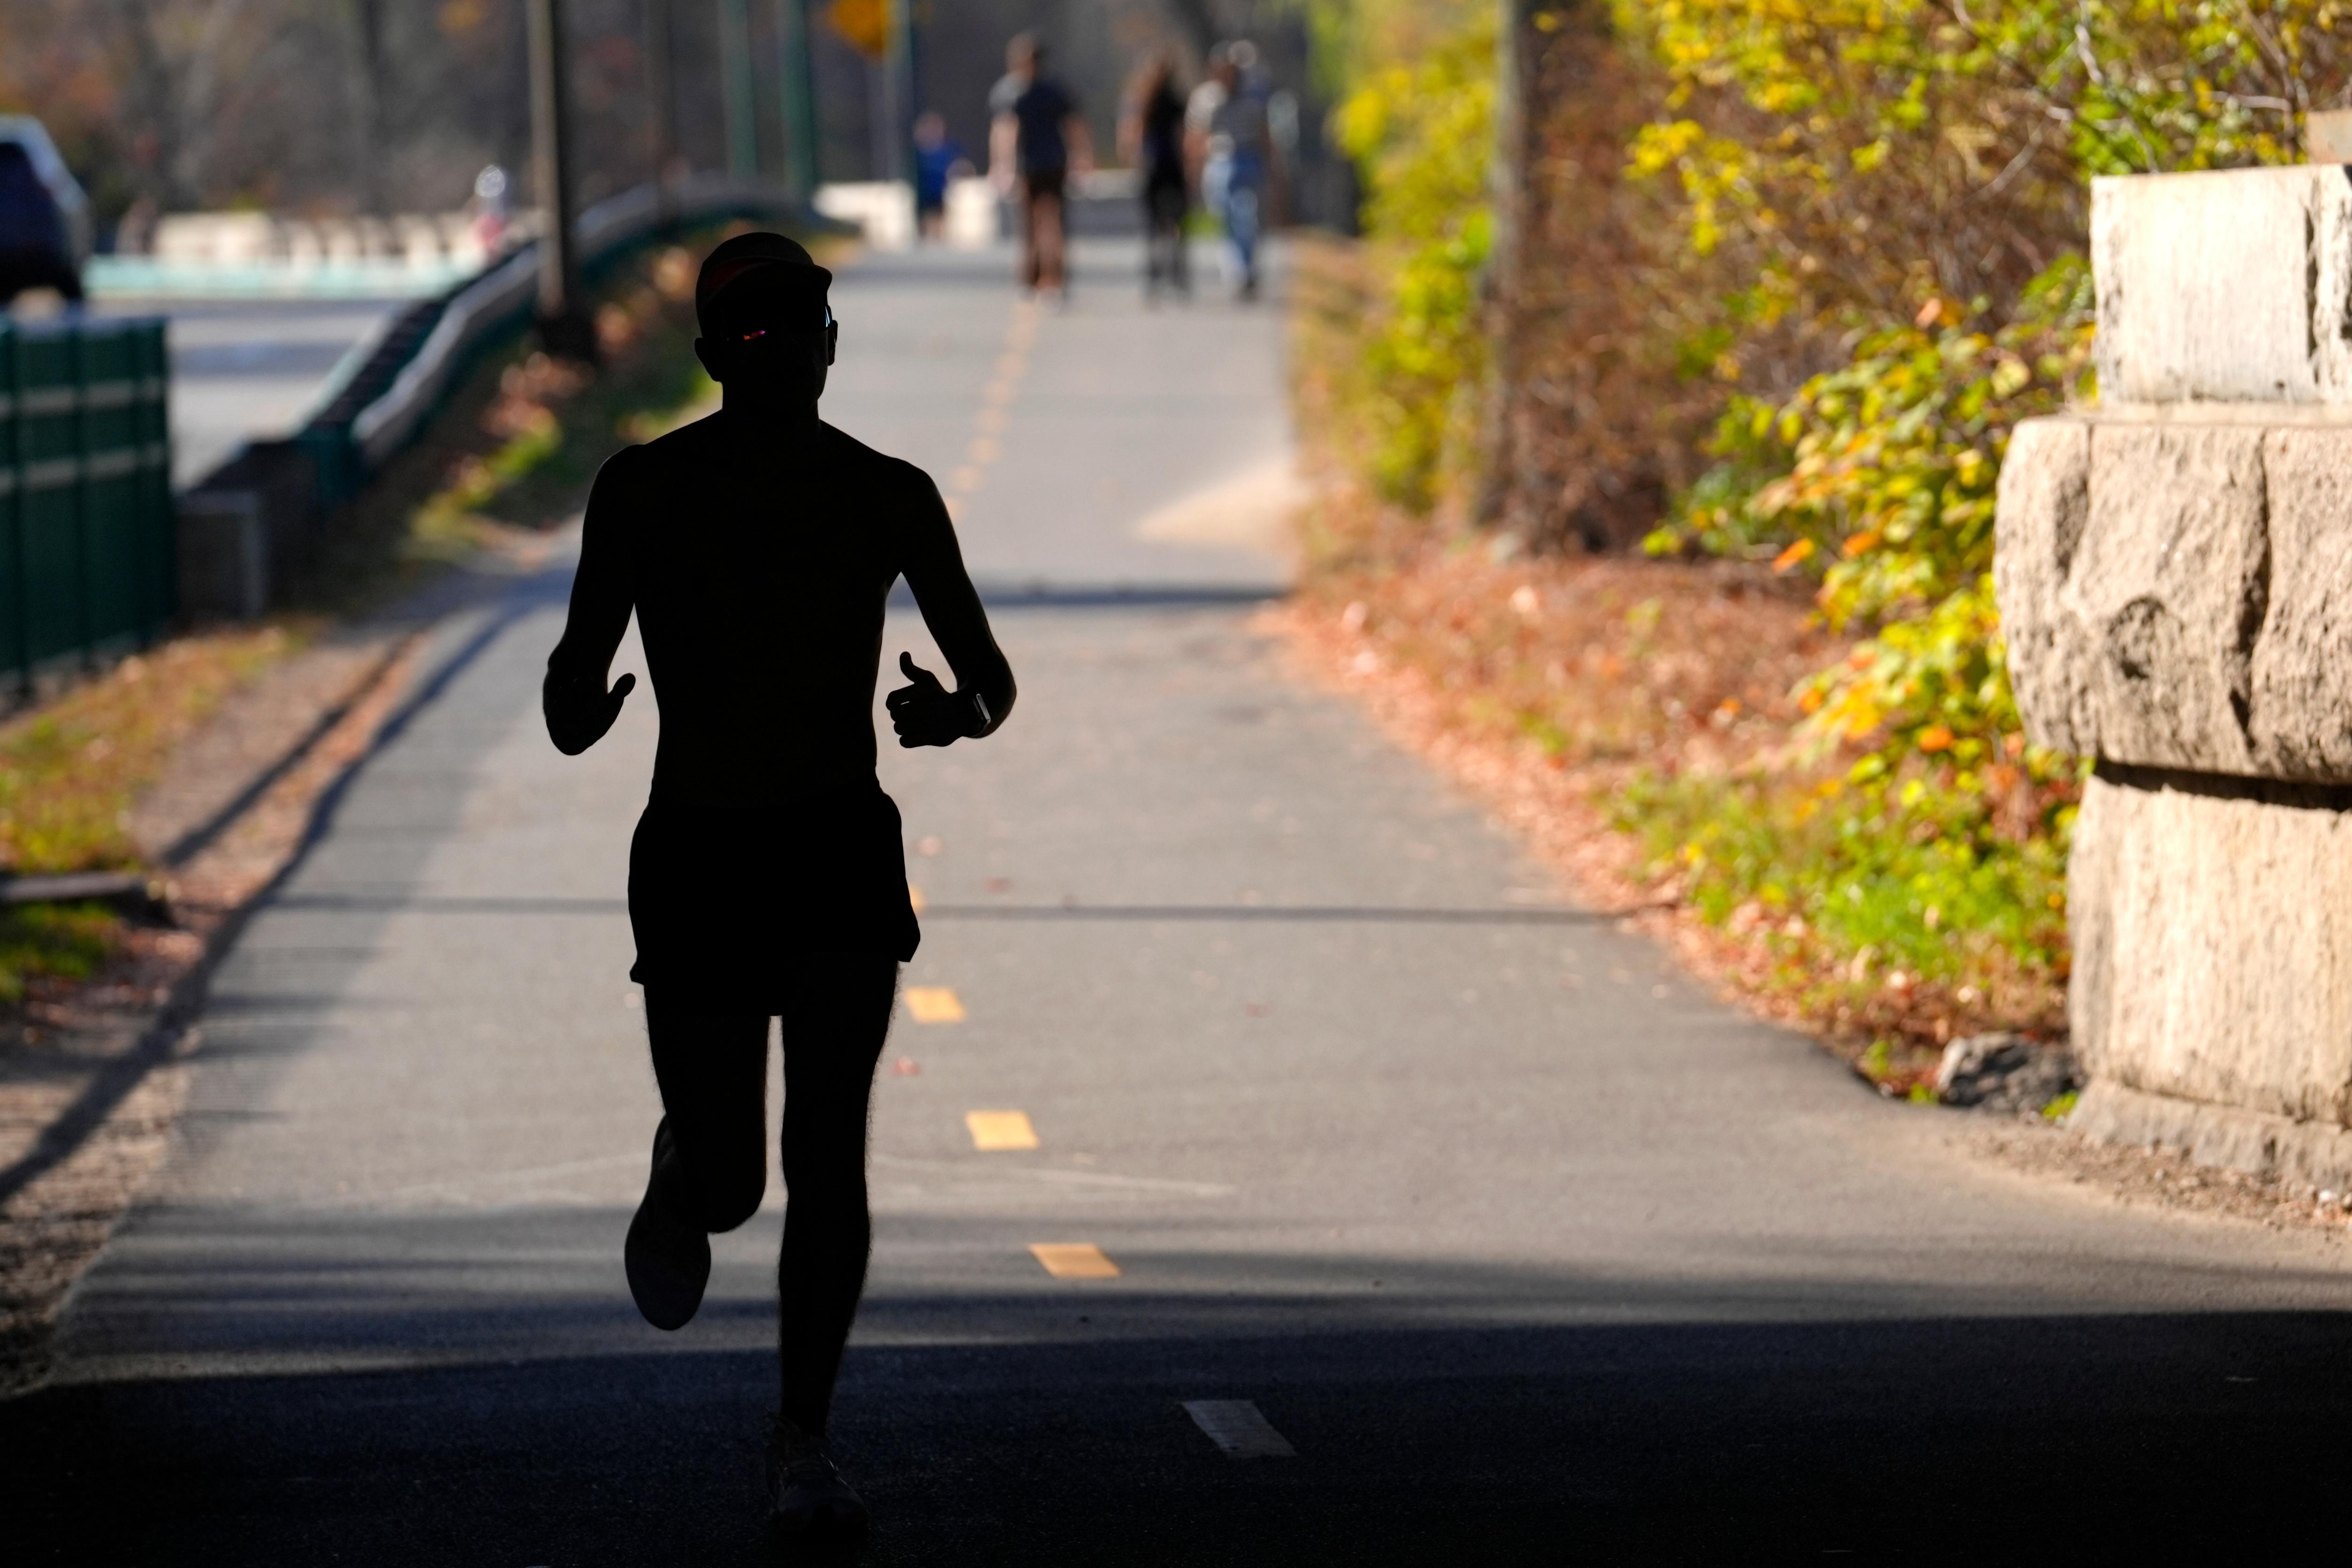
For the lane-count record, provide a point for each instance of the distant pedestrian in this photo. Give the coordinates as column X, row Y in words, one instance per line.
column 1037, row 140
column 1151, row 140
column 1227, row 137
column 757, row 549
column 938, row 159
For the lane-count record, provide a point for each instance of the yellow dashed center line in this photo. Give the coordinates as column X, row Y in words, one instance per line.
column 995, row 399
column 992, row 1130
column 1073, row 1261
column 934, row 1004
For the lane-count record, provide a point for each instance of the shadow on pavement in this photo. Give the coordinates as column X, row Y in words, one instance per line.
column 1437, row 1425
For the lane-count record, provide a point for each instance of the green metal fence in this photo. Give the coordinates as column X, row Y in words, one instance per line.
column 87, row 549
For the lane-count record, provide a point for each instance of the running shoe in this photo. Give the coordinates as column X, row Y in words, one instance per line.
column 809, row 1500
column 668, row 1255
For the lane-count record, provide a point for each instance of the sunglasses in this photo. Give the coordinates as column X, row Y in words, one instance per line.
column 761, row 333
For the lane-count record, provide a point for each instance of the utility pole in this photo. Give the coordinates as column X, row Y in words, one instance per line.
column 1498, row 436
column 797, row 84
column 739, row 85
column 367, row 27
column 661, row 105
column 899, row 91
column 563, row 326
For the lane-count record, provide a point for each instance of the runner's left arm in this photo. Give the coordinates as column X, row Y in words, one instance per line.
column 578, row 707
column 924, row 713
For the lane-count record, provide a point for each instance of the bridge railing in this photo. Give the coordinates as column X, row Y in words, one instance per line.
column 263, row 512
column 87, row 547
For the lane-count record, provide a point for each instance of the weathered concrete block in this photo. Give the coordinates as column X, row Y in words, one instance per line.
column 2166, row 585
column 2233, row 285
column 2045, row 502
column 2178, row 594
column 2131, row 565
column 2302, row 667
column 2213, row 946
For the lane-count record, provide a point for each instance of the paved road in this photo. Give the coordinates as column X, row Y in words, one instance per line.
column 249, row 368
column 1529, row 1251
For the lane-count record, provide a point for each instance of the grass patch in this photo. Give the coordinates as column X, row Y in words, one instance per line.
column 70, row 770
column 62, row 941
column 1877, row 916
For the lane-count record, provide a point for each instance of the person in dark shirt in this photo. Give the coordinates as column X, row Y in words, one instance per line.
column 1037, row 139
column 1151, row 139
column 757, row 549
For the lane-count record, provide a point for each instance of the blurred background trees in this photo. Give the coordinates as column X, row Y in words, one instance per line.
column 344, row 106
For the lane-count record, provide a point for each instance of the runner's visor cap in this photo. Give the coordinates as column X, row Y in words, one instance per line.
column 757, row 282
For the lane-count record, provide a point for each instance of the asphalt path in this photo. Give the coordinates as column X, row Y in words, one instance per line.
column 247, row 369
column 1474, row 1231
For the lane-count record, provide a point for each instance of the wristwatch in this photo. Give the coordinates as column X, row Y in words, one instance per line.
column 980, row 711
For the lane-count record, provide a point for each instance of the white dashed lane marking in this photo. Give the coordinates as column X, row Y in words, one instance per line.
column 1239, row 1430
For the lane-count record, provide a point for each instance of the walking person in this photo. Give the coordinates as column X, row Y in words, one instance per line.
column 1037, row 140
column 1227, row 137
column 767, row 878
column 1151, row 141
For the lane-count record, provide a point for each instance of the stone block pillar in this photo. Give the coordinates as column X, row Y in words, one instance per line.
column 2175, row 573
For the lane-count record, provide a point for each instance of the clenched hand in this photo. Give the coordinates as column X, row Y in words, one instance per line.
column 926, row 713
column 580, row 710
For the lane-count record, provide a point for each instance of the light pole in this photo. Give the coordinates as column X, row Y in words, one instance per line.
column 898, row 94
column 739, row 86
column 661, row 104
column 796, row 83
column 563, row 325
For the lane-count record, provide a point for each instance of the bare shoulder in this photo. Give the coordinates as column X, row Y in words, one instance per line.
column 686, row 446
column 892, row 479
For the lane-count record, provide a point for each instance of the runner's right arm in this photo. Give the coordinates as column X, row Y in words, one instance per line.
column 924, row 713
column 578, row 707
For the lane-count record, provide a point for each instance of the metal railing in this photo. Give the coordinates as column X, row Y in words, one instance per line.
column 86, row 552
column 261, row 514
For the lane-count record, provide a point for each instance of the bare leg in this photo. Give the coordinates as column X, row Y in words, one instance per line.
column 1029, row 221
column 713, row 1072
column 1048, row 239
column 831, row 1046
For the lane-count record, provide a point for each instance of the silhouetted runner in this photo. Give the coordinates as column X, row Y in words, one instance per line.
column 767, row 878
